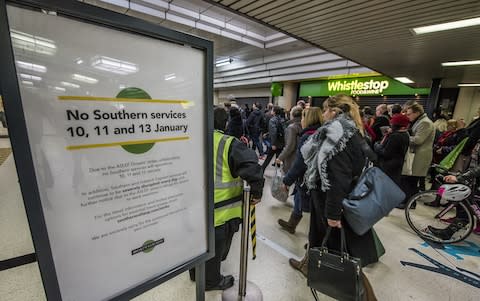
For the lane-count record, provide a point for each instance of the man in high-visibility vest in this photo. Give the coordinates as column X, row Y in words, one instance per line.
column 233, row 163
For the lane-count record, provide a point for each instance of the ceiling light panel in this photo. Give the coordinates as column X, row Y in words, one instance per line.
column 27, row 82
column 28, row 42
column 30, row 77
column 114, row 65
column 85, row 79
column 170, row 76
column 469, row 85
column 447, row 26
column 70, row 85
column 461, row 63
column 404, row 80
column 31, row 66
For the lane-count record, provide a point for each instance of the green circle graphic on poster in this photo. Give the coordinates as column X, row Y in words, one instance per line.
column 139, row 94
column 149, row 246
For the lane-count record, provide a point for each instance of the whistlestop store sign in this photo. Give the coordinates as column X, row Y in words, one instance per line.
column 372, row 86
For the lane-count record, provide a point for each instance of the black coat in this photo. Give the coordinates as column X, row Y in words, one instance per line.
column 254, row 122
column 342, row 169
column 235, row 126
column 392, row 154
column 276, row 131
column 243, row 163
column 380, row 121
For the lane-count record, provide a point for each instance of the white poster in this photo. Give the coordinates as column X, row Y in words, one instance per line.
column 116, row 129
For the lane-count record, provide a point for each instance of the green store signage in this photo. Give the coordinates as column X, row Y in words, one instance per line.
column 371, row 86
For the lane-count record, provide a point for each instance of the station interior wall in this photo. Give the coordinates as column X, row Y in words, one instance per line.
column 468, row 104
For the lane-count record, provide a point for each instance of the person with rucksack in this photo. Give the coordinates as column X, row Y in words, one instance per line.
column 254, row 122
column 276, row 132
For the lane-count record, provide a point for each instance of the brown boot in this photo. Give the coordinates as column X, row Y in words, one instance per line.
column 292, row 223
column 301, row 265
column 368, row 294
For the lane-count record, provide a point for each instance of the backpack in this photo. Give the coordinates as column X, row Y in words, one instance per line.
column 262, row 124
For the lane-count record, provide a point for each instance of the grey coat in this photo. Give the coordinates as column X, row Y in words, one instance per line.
column 292, row 135
column 421, row 143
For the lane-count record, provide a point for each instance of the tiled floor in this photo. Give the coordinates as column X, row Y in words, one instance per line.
column 270, row 271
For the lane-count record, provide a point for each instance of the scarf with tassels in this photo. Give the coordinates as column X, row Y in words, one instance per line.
column 329, row 140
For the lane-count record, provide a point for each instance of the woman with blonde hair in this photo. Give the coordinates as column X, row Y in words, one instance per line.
column 311, row 121
column 335, row 156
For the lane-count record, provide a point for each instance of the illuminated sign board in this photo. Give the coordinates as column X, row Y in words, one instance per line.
column 368, row 86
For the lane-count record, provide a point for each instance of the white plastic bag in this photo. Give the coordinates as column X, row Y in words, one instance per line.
column 277, row 185
column 408, row 163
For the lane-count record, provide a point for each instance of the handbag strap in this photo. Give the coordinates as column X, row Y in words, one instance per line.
column 343, row 241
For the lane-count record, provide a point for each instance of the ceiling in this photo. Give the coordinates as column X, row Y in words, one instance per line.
column 260, row 55
column 230, row 32
column 377, row 33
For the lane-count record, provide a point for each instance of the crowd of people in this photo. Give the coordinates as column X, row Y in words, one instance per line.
column 322, row 151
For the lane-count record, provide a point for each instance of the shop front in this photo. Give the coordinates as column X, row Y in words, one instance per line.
column 367, row 90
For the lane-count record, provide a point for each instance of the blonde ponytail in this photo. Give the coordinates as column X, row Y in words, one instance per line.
column 346, row 105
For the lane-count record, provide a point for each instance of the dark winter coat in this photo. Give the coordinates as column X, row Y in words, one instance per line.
column 342, row 169
column 391, row 154
column 254, row 122
column 235, row 126
column 276, row 132
column 297, row 169
column 292, row 132
column 243, row 163
column 380, row 121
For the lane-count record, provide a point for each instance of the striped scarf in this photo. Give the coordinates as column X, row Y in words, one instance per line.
column 328, row 140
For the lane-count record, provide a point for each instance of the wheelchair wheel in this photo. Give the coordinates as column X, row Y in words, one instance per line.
column 421, row 218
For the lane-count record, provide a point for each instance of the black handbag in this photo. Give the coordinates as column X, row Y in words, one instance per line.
column 336, row 275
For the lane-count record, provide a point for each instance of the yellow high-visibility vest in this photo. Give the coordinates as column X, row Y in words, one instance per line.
column 228, row 190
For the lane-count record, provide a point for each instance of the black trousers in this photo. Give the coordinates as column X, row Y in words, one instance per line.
column 270, row 154
column 223, row 241
column 409, row 185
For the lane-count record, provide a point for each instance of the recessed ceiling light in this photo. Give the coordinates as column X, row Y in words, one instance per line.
column 469, row 85
column 447, row 26
column 85, row 79
column 170, row 76
column 60, row 89
column 32, row 43
column 114, row 65
column 70, row 85
column 223, row 62
column 31, row 66
column 27, row 82
column 30, row 77
column 461, row 63
column 404, row 80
